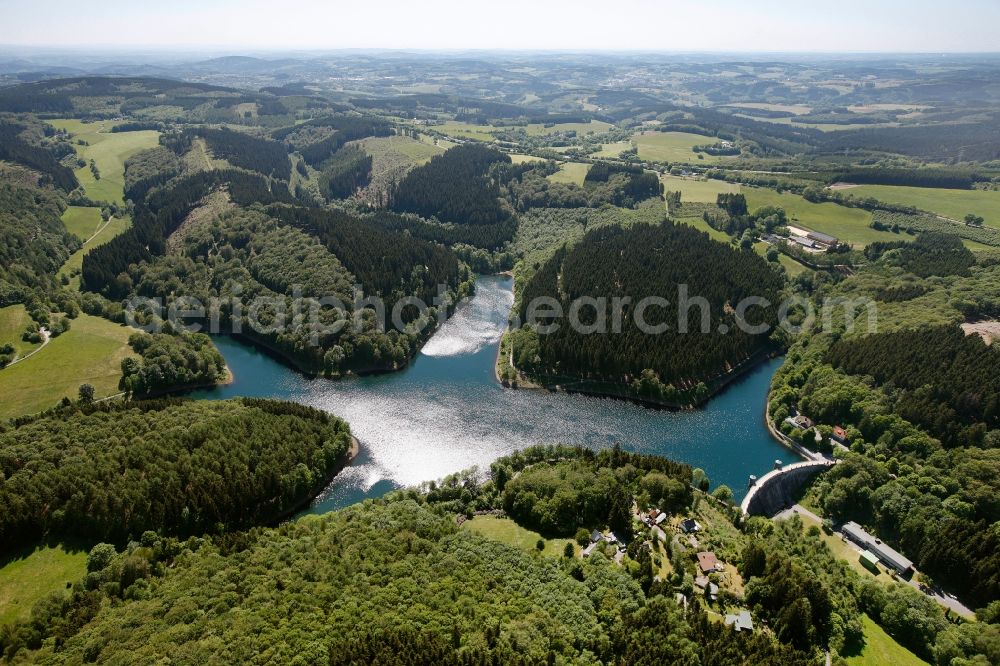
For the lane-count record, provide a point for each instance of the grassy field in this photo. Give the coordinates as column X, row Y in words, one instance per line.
column 523, row 159
column 466, row 130
column 109, row 151
column 674, row 147
column 694, row 190
column 538, row 129
column 90, row 352
column 613, row 149
column 794, row 109
column 13, row 320
column 955, row 204
column 418, row 152
column 82, row 221
column 114, row 227
column 507, row 531
column 847, row 224
column 31, row 576
column 570, row 172
column 702, row 225
column 879, row 649
column 792, row 267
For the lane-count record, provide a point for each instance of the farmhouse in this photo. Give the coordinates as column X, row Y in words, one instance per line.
column 888, row 556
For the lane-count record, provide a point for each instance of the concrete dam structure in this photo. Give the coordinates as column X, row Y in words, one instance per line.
column 776, row 489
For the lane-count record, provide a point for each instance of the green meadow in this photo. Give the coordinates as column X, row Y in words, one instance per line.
column 570, row 172
column 695, row 190
column 594, row 126
column 466, row 130
column 701, row 225
column 81, row 221
column 90, row 352
column 848, row 224
column 674, row 147
column 792, row 267
column 109, row 150
column 507, row 531
column 417, row 151
column 13, row 320
column 955, row 204
column 879, row 649
column 613, row 150
column 114, row 227
column 524, row 159
column 28, row 577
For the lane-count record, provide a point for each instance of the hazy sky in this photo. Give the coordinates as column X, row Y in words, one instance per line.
column 670, row 25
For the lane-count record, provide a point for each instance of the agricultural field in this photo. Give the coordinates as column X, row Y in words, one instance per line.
column 29, row 577
column 570, row 172
column 81, row 221
column 13, row 320
column 954, row 204
column 109, row 151
column 524, row 159
column 507, row 531
column 613, row 150
column 794, row 109
column 880, row 648
column 848, row 224
column 694, row 190
column 90, row 352
column 594, row 126
column 675, row 147
column 466, row 130
column 824, row 127
column 114, row 227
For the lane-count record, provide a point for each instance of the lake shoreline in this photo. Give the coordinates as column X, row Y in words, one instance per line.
column 533, row 384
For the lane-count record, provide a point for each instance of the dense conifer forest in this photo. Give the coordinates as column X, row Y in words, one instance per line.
column 455, row 187
column 243, row 150
column 644, row 261
column 945, row 381
column 349, row 169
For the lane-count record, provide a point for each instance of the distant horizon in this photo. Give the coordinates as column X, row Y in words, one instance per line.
column 893, row 27
column 261, row 52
